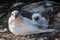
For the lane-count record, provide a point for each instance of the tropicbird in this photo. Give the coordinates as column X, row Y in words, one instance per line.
column 20, row 25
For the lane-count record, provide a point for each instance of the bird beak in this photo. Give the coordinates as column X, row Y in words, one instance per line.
column 15, row 17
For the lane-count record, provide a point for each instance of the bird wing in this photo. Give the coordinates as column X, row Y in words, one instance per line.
column 44, row 21
column 29, row 22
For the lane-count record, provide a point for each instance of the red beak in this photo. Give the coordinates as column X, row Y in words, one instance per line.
column 15, row 17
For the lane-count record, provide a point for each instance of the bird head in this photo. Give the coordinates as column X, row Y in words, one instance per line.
column 15, row 14
column 36, row 16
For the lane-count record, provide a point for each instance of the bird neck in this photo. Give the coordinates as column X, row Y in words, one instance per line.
column 19, row 20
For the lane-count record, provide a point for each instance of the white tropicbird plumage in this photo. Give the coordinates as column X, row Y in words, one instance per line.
column 19, row 25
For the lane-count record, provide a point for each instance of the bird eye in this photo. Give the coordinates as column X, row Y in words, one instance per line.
column 18, row 14
column 11, row 14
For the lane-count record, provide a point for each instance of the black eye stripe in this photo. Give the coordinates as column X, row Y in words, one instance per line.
column 11, row 14
column 18, row 12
